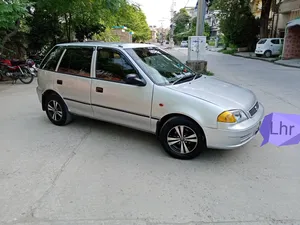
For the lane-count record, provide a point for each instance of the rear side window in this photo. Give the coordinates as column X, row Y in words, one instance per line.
column 77, row 61
column 275, row 41
column 262, row 41
column 51, row 60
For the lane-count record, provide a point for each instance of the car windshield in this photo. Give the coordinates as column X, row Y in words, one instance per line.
column 262, row 41
column 160, row 66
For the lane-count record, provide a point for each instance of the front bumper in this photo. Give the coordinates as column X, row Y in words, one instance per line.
column 237, row 135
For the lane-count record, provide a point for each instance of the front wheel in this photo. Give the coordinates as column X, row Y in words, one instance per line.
column 268, row 54
column 27, row 77
column 182, row 138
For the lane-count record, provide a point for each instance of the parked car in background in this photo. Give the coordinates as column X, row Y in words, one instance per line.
column 268, row 47
column 184, row 44
column 145, row 88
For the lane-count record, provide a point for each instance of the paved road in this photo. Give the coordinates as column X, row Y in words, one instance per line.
column 91, row 172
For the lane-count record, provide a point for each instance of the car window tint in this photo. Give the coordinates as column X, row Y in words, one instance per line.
column 51, row 60
column 77, row 61
column 112, row 66
column 262, row 41
column 275, row 41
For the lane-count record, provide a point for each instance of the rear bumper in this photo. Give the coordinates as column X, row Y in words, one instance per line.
column 39, row 93
column 237, row 135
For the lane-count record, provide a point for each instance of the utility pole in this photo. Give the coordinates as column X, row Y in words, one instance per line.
column 172, row 26
column 201, row 9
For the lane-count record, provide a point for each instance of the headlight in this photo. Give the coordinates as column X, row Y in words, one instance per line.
column 232, row 116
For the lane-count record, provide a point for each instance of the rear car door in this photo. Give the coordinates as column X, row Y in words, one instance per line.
column 73, row 79
column 112, row 98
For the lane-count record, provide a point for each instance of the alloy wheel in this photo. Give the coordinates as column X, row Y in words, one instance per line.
column 182, row 139
column 55, row 110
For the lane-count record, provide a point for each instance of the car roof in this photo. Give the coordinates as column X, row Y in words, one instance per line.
column 107, row 44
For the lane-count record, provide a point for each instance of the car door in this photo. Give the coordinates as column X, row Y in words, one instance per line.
column 73, row 79
column 114, row 100
column 275, row 46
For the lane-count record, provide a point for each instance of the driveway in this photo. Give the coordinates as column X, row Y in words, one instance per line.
column 91, row 172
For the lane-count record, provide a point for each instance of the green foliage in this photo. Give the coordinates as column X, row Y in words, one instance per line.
column 191, row 30
column 55, row 21
column 181, row 20
column 132, row 16
column 237, row 22
column 208, row 73
column 11, row 11
column 228, row 51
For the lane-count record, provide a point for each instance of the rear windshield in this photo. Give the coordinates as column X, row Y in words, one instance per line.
column 262, row 41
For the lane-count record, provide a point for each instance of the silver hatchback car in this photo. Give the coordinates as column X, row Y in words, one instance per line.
column 145, row 88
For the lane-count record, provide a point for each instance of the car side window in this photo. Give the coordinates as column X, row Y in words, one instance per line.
column 275, row 41
column 77, row 61
column 112, row 66
column 51, row 60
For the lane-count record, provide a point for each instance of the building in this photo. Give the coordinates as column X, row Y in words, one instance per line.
column 288, row 10
column 153, row 34
column 291, row 48
column 289, row 24
column 123, row 33
column 191, row 11
column 256, row 6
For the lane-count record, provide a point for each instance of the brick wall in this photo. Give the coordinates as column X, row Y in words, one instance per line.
column 124, row 36
column 292, row 43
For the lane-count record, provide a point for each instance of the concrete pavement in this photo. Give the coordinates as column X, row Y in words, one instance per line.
column 91, row 172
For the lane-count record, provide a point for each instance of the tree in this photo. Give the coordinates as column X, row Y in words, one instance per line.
column 133, row 18
column 181, row 20
column 237, row 22
column 264, row 18
column 12, row 11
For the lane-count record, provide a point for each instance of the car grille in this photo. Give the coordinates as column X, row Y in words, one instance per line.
column 254, row 109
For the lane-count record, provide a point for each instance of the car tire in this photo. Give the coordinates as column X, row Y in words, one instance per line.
column 268, row 54
column 57, row 111
column 182, row 138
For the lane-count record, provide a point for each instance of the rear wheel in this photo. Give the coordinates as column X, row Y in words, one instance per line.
column 182, row 138
column 57, row 111
column 26, row 77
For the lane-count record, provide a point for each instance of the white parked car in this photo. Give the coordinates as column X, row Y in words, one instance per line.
column 184, row 44
column 145, row 88
column 269, row 47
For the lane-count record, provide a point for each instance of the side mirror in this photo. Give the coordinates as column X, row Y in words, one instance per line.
column 135, row 80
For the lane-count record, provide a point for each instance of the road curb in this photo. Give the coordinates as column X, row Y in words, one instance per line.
column 260, row 59
column 282, row 64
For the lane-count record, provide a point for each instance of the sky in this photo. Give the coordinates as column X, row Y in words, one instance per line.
column 157, row 10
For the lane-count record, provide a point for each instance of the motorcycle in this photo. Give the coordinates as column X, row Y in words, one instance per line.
column 15, row 70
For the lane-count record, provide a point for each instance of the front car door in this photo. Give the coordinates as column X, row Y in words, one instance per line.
column 275, row 46
column 73, row 79
column 114, row 100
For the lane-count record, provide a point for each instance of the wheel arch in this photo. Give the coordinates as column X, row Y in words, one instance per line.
column 165, row 118
column 46, row 94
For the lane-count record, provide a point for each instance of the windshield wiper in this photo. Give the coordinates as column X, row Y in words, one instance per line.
column 194, row 76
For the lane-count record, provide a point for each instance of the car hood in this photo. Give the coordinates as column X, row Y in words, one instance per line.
column 217, row 92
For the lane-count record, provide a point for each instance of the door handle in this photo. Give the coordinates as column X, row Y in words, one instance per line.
column 59, row 82
column 99, row 89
